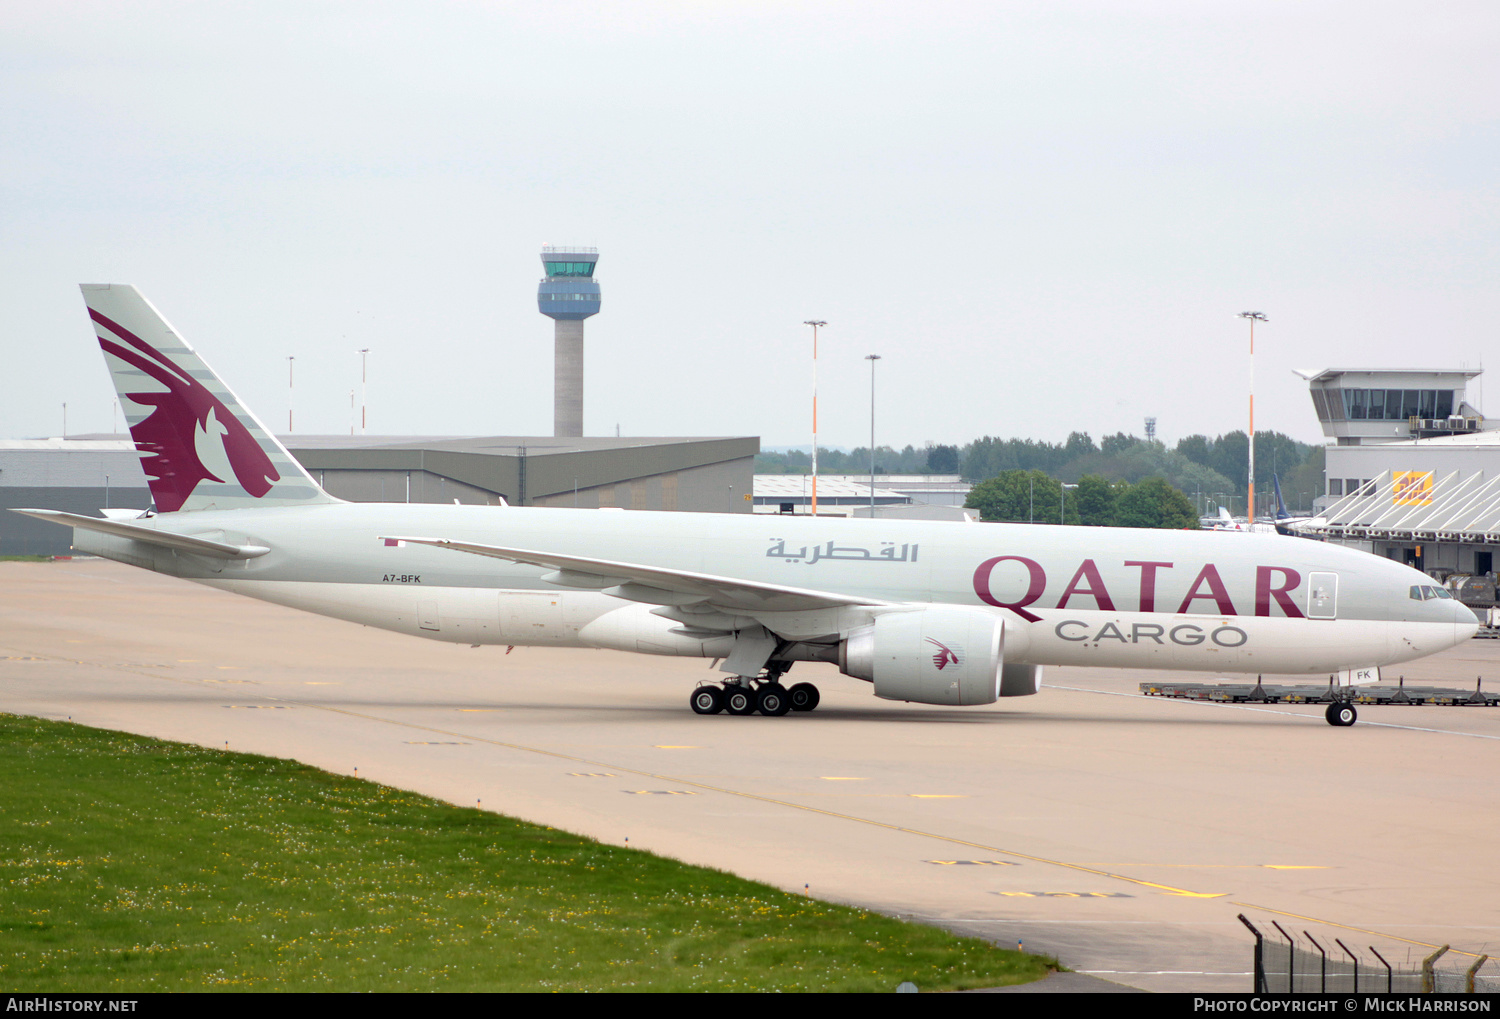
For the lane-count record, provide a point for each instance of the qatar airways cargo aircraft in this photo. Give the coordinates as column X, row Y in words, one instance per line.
column 936, row 613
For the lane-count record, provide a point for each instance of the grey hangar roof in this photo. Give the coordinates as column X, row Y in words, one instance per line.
column 82, row 474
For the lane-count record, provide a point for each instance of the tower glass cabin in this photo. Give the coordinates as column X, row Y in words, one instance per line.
column 568, row 295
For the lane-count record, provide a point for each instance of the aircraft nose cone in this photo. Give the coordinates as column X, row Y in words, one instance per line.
column 1466, row 621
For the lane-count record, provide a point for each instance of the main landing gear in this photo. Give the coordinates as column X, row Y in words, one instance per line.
column 1341, row 713
column 744, row 696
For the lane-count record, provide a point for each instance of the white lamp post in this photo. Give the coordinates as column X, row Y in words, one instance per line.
column 872, row 358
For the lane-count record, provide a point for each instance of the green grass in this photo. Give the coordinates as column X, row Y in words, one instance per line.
column 128, row 863
column 25, row 559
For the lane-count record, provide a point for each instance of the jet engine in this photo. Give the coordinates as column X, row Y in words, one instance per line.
column 946, row 654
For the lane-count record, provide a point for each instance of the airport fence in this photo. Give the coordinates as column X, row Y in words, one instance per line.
column 1285, row 964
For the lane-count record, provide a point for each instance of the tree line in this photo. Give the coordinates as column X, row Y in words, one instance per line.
column 930, row 459
column 1036, row 497
column 1210, row 471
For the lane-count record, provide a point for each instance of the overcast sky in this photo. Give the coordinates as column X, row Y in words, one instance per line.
column 1043, row 216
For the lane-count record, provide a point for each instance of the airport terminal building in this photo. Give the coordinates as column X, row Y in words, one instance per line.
column 889, row 496
column 1412, row 468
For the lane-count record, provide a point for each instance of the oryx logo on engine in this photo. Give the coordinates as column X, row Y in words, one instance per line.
column 946, row 656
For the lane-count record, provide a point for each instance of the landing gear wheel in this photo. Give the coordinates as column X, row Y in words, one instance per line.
column 804, row 696
column 708, row 700
column 1341, row 713
column 772, row 699
column 739, row 700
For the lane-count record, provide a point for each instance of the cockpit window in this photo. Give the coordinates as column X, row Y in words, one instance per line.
column 1421, row 592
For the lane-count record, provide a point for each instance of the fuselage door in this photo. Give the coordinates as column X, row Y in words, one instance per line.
column 427, row 612
column 1322, row 595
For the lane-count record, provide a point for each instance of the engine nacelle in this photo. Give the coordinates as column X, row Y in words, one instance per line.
column 946, row 654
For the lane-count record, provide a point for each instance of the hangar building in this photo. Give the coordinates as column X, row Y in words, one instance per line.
column 85, row 474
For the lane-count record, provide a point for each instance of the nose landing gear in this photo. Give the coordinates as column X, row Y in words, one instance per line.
column 1341, row 713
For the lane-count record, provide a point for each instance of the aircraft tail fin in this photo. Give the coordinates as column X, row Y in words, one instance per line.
column 200, row 447
column 1281, row 513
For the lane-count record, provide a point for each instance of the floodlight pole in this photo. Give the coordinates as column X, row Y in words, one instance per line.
column 815, row 323
column 364, row 355
column 1254, row 317
column 872, row 358
column 290, row 393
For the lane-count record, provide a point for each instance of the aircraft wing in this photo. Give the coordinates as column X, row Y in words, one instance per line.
column 149, row 535
column 659, row 586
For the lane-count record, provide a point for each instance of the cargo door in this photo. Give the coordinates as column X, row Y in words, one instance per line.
column 1322, row 595
column 427, row 612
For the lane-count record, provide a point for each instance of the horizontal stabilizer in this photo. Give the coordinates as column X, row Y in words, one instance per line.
column 149, row 535
column 655, row 585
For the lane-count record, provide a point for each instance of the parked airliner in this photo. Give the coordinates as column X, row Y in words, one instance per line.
column 934, row 613
column 1285, row 522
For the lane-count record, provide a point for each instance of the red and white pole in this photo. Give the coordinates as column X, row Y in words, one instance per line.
column 1254, row 317
column 815, row 324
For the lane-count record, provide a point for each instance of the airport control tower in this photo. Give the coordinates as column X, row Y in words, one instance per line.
column 568, row 295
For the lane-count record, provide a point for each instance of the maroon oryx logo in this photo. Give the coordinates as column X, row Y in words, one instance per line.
column 180, row 417
column 945, row 656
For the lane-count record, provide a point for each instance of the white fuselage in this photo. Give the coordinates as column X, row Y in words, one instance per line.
column 1226, row 602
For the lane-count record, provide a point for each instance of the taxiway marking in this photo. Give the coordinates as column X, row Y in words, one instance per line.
column 659, row 792
column 973, row 863
column 1139, row 882
column 1221, row 866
